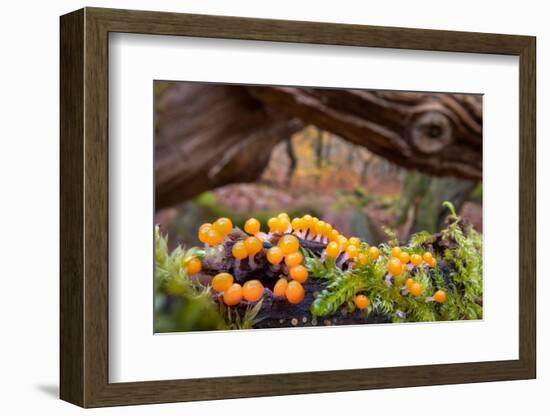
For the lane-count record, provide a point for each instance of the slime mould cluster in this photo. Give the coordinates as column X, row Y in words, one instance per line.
column 432, row 277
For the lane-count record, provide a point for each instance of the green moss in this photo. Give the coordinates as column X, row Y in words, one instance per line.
column 234, row 319
column 467, row 274
column 477, row 193
column 181, row 304
column 461, row 279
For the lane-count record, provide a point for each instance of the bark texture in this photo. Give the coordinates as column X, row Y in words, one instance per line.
column 211, row 135
column 438, row 134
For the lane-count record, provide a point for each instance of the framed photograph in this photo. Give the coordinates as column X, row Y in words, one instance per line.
column 256, row 207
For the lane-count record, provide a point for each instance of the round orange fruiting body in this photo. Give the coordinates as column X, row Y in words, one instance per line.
column 327, row 229
column 334, row 234
column 205, row 227
column 274, row 255
column 280, row 288
column 396, row 252
column 298, row 273
column 352, row 251
column 343, row 242
column 319, row 227
column 394, row 266
column 233, row 294
column 415, row 289
column 354, row 241
column 194, row 265
column 223, row 226
column 239, row 250
column 284, row 225
column 283, row 215
column 313, row 224
column 361, row 302
column 221, row 282
column 362, row 259
column 408, row 283
column 273, row 223
column 297, row 224
column 374, row 252
column 289, row 244
column 333, row 249
column 294, row 259
column 213, row 238
column 294, row 292
column 253, row 290
column 203, row 232
column 416, row 259
column 404, row 257
column 427, row 257
column 433, row 262
column 253, row 245
column 252, row 226
column 440, row 296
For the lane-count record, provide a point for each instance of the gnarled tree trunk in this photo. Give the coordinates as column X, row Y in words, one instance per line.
column 438, row 134
column 211, row 135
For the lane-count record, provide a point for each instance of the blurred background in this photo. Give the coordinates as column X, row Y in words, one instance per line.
column 361, row 160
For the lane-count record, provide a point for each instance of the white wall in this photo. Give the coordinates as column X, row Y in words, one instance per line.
column 29, row 207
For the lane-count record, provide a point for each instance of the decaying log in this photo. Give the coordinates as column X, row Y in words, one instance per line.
column 277, row 312
column 212, row 135
column 438, row 134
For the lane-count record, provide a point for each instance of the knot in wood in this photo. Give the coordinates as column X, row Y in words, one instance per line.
column 430, row 132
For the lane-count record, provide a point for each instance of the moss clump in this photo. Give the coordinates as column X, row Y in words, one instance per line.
column 181, row 303
column 458, row 250
column 463, row 250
